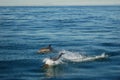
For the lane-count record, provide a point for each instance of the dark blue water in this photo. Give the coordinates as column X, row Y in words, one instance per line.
column 90, row 30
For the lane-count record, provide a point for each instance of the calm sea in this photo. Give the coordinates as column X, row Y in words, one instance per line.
column 86, row 30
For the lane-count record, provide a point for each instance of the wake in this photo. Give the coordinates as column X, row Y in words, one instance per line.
column 77, row 57
column 74, row 57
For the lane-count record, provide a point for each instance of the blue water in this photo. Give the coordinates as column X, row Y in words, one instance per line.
column 88, row 30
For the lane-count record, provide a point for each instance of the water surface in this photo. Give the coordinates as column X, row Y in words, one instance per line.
column 87, row 30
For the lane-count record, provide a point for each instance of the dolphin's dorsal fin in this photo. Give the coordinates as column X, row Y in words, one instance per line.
column 56, row 58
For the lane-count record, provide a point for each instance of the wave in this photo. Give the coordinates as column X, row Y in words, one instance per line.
column 18, row 57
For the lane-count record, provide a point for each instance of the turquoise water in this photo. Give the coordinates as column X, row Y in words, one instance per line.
column 76, row 30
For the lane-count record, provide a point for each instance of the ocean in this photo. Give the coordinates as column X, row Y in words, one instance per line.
column 78, row 31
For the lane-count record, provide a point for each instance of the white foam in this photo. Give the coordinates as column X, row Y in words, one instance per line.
column 77, row 57
column 50, row 62
column 73, row 57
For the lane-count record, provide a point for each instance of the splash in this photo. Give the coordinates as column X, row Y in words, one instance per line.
column 77, row 57
column 50, row 62
column 73, row 57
